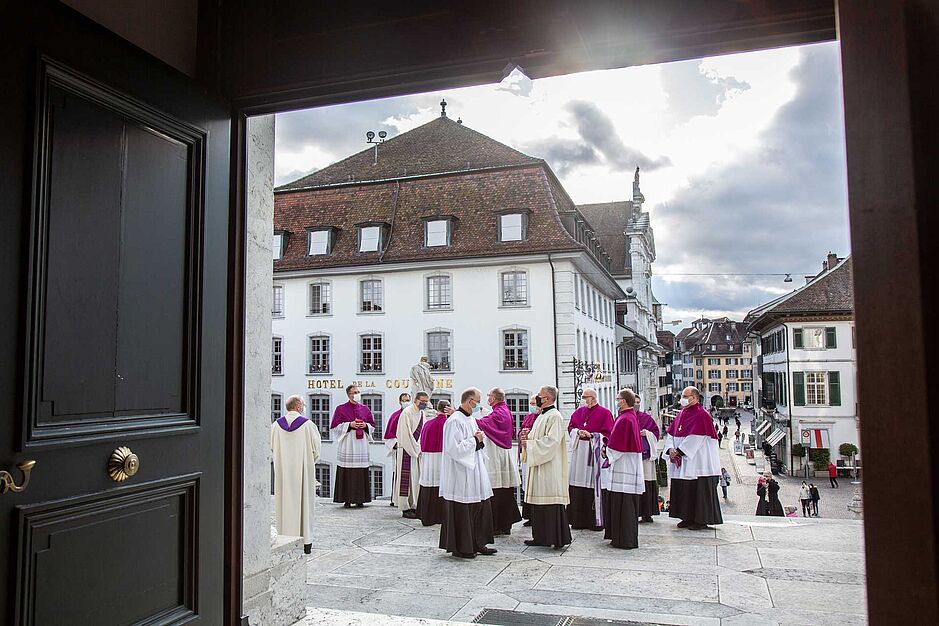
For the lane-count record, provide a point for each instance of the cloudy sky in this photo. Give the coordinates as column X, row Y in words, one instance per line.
column 741, row 156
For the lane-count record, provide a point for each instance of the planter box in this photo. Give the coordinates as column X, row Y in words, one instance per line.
column 822, row 474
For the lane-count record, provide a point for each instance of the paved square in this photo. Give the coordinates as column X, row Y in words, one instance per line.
column 371, row 566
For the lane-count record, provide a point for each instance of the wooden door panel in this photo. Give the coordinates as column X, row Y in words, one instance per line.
column 116, row 240
column 89, row 547
column 114, row 234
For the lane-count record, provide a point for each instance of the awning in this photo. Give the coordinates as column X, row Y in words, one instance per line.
column 763, row 427
column 775, row 437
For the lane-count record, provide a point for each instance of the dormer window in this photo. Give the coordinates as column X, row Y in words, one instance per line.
column 370, row 238
column 321, row 242
column 280, row 239
column 437, row 233
column 513, row 227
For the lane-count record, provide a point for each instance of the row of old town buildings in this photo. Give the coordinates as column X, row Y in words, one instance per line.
column 444, row 243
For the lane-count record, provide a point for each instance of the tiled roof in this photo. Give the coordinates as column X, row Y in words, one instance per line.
column 831, row 292
column 666, row 339
column 609, row 219
column 725, row 334
column 440, row 146
column 473, row 200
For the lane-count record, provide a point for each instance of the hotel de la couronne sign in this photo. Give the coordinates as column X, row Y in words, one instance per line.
column 389, row 383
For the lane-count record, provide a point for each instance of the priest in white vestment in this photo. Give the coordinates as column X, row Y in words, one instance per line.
column 523, row 431
column 693, row 465
column 430, row 508
column 545, row 453
column 295, row 442
column 391, row 432
column 407, row 485
column 464, row 483
column 627, row 484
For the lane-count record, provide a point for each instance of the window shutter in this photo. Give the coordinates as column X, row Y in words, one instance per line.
column 834, row 388
column 797, row 338
column 798, row 388
column 831, row 337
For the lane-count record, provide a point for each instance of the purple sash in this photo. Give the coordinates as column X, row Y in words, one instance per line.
column 405, row 486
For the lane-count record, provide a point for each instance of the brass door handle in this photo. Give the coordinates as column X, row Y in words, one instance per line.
column 123, row 464
column 7, row 483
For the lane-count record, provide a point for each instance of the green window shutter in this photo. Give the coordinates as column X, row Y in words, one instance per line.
column 831, row 337
column 834, row 388
column 797, row 338
column 798, row 388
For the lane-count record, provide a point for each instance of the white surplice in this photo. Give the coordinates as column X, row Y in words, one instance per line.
column 648, row 465
column 430, row 469
column 295, row 457
column 463, row 475
column 581, row 451
column 701, row 457
column 626, row 475
column 502, row 465
column 351, row 450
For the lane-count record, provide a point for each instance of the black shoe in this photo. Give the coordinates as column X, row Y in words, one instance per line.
column 527, row 523
column 460, row 555
column 684, row 524
column 699, row 527
column 307, row 548
column 360, row 505
column 487, row 551
column 646, row 520
column 391, row 504
column 347, row 505
column 532, row 542
column 410, row 514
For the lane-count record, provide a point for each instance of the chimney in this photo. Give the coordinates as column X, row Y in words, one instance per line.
column 831, row 261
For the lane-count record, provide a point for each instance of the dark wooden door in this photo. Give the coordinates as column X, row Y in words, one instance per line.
column 114, row 209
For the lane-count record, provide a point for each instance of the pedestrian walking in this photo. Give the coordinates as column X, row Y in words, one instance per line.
column 805, row 497
column 725, row 481
column 833, row 475
column 720, row 440
column 725, row 429
column 813, row 492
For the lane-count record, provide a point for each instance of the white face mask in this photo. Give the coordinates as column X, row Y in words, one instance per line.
column 684, row 401
column 405, row 405
column 357, row 397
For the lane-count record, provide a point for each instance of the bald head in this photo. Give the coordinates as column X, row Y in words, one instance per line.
column 589, row 396
column 692, row 395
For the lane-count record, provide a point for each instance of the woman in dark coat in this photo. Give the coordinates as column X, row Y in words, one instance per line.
column 761, row 506
column 774, row 506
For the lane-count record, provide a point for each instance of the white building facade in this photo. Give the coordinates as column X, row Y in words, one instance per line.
column 806, row 366
column 489, row 272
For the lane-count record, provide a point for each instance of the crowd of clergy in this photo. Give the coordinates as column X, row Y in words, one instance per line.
column 456, row 467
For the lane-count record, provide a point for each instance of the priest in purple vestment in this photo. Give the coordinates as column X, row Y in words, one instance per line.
column 649, row 432
column 430, row 508
column 624, row 452
column 589, row 425
column 351, row 428
column 693, row 464
column 501, row 462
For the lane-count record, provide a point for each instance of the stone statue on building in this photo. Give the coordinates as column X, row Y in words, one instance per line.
column 422, row 379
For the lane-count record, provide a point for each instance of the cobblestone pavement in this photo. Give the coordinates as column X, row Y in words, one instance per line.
column 741, row 496
column 368, row 564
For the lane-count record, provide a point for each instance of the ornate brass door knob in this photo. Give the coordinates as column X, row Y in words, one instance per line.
column 7, row 483
column 123, row 464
